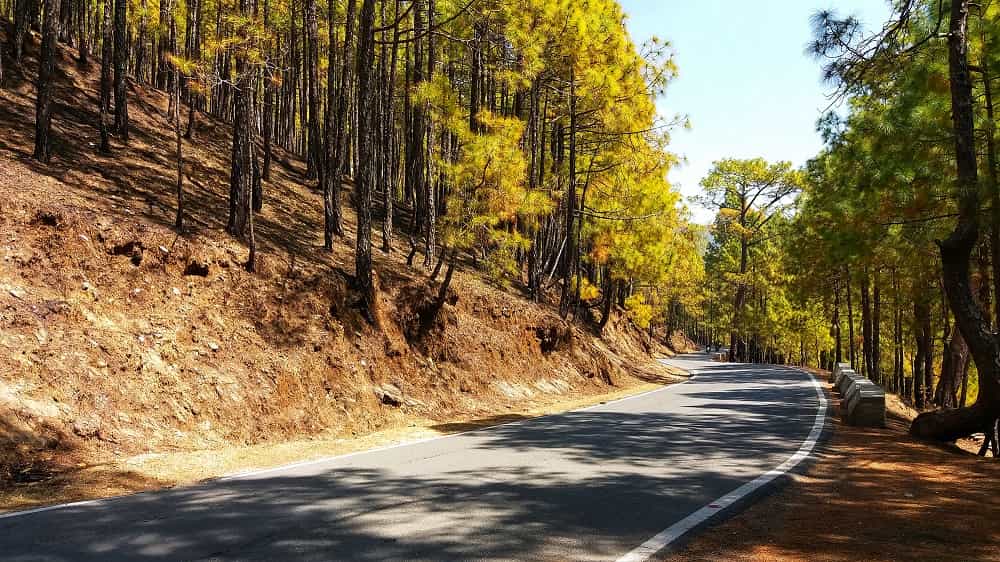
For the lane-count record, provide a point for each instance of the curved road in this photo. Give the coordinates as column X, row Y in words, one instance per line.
column 589, row 484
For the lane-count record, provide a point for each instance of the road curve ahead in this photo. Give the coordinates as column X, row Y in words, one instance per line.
column 592, row 484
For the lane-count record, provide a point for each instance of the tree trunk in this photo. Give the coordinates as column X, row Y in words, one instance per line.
column 897, row 364
column 160, row 78
column 179, row 220
column 315, row 143
column 244, row 171
column 416, row 133
column 956, row 251
column 608, row 300
column 429, row 182
column 20, row 29
column 336, row 152
column 876, row 373
column 107, row 52
column 739, row 300
column 391, row 164
column 121, row 59
column 852, row 354
column 46, row 76
column 363, row 277
column 921, row 327
column 866, row 325
column 194, row 53
column 994, row 187
column 81, row 31
column 839, row 355
column 268, row 118
column 569, row 270
column 953, row 366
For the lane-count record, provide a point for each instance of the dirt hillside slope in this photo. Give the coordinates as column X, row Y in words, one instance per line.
column 118, row 336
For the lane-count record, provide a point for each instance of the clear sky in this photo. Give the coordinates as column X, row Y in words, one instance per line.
column 744, row 79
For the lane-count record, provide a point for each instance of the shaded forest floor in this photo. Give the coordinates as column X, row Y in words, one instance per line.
column 872, row 494
column 123, row 340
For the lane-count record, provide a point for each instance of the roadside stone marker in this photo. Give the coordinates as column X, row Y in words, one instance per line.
column 863, row 402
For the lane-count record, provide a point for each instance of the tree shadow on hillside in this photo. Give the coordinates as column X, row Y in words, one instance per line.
column 138, row 179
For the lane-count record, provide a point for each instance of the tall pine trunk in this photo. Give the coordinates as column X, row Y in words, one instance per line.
column 314, row 141
column 21, row 11
column 336, row 151
column 107, row 53
column 956, row 252
column 46, row 76
column 363, row 276
column 121, row 60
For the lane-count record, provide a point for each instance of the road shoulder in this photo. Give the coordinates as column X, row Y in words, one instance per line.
column 870, row 494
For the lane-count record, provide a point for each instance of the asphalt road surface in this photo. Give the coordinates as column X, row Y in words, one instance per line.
column 592, row 484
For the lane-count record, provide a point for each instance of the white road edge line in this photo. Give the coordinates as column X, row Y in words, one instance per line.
column 248, row 474
column 667, row 536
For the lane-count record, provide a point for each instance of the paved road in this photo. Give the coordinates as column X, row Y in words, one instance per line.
column 590, row 484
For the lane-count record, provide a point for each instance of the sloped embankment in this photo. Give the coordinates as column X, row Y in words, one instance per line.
column 120, row 337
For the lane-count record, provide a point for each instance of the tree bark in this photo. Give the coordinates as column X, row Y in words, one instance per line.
column 336, row 152
column 179, row 219
column 121, row 59
column 194, row 53
column 81, row 31
column 569, row 269
column 876, row 331
column 866, row 325
column 839, row 355
column 429, row 183
column 363, row 276
column 160, row 77
column 244, row 172
column 46, row 76
column 851, row 346
column 315, row 143
column 956, row 251
column 107, row 52
column 392, row 172
column 20, row 29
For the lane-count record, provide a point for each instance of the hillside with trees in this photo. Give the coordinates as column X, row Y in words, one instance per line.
column 240, row 222
column 241, row 233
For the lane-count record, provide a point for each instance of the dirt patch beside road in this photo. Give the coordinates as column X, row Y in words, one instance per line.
column 873, row 494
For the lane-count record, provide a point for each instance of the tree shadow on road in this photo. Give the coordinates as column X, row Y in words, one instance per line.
column 584, row 484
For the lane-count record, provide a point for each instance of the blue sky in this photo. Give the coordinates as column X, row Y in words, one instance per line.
column 744, row 79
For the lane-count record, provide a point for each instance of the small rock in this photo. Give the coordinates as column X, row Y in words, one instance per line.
column 390, row 395
column 213, row 346
column 176, row 291
column 85, row 286
column 17, row 293
column 87, row 427
column 164, row 250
